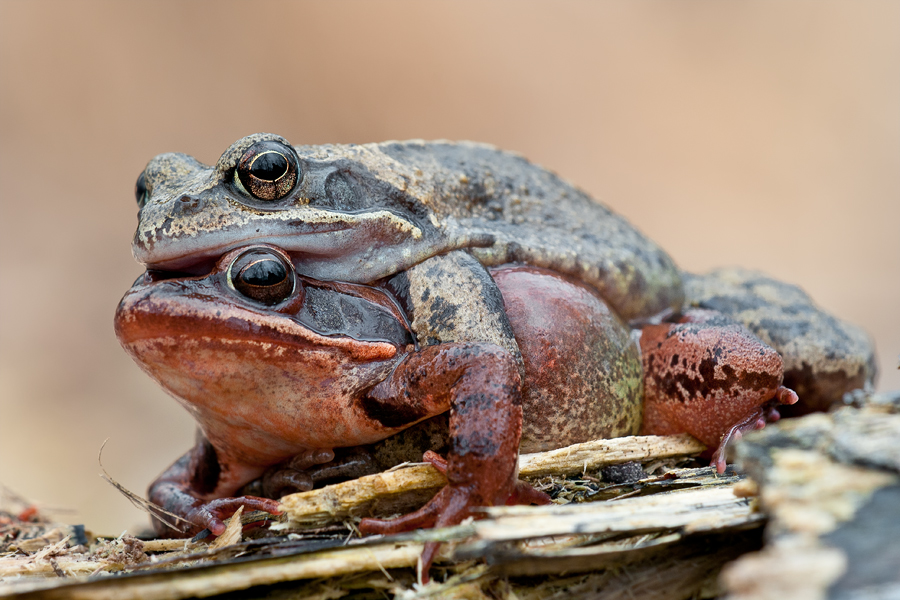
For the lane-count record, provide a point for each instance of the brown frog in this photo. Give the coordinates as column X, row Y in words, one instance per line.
column 361, row 213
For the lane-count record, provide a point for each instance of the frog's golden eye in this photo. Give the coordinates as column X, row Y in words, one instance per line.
column 262, row 275
column 267, row 171
column 140, row 191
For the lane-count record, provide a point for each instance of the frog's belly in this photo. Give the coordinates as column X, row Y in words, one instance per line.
column 264, row 402
column 583, row 378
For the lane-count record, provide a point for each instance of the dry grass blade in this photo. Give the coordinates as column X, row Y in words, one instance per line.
column 155, row 511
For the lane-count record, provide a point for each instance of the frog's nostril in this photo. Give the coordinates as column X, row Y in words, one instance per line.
column 188, row 205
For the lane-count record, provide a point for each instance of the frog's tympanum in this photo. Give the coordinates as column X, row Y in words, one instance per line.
column 303, row 301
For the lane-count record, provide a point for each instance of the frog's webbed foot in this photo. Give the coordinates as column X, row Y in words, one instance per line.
column 211, row 515
column 430, row 514
column 450, row 506
column 767, row 413
column 523, row 493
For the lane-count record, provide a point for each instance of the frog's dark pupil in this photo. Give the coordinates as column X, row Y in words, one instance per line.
column 269, row 166
column 264, row 273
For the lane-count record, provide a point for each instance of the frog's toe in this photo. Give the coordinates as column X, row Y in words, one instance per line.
column 755, row 421
column 436, row 460
column 310, row 458
column 449, row 507
column 211, row 515
column 785, row 395
column 425, row 517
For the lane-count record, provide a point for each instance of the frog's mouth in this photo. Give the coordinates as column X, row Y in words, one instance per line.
column 324, row 245
column 163, row 306
column 356, row 259
column 197, row 257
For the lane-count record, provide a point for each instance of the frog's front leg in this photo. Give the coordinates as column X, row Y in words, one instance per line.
column 188, row 489
column 481, row 384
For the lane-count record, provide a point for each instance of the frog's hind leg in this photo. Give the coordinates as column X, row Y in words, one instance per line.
column 709, row 376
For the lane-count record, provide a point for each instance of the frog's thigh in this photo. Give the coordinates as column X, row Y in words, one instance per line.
column 583, row 376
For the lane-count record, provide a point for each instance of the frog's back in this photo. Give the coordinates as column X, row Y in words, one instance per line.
column 537, row 218
column 360, row 213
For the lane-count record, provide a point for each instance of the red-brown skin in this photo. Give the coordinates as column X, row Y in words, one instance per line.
column 708, row 376
column 485, row 424
column 265, row 390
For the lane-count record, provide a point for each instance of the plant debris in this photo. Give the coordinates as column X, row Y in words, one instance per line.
column 656, row 526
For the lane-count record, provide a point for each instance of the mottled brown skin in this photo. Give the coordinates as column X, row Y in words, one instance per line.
column 573, row 347
column 709, row 376
column 360, row 213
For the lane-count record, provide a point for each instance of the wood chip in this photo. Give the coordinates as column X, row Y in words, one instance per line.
column 383, row 493
column 690, row 510
column 232, row 533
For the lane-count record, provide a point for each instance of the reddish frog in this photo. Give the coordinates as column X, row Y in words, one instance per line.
column 277, row 367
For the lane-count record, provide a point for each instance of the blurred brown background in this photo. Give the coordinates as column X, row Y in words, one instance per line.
column 765, row 134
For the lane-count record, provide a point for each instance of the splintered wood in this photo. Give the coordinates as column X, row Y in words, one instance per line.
column 674, row 530
column 408, row 487
column 830, row 484
column 608, row 534
column 593, row 455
